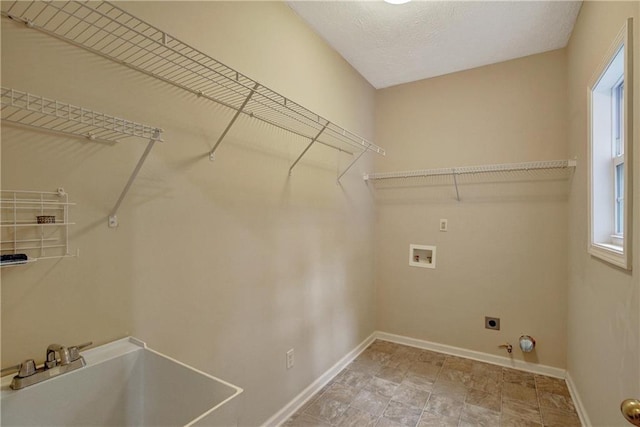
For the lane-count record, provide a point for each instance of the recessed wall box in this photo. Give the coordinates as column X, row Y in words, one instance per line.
column 492, row 323
column 422, row 256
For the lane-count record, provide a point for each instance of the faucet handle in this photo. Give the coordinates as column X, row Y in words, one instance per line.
column 74, row 352
column 27, row 368
column 24, row 369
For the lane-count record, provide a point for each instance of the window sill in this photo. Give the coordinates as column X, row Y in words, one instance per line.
column 618, row 249
column 610, row 253
column 617, row 240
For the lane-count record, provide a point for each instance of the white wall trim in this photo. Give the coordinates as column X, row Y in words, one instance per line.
column 475, row 355
column 296, row 403
column 582, row 413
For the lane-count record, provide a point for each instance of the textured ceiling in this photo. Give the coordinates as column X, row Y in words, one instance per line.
column 393, row 44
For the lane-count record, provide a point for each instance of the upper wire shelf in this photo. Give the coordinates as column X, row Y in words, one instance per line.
column 26, row 109
column 109, row 31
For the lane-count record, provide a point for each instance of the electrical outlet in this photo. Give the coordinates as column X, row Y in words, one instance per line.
column 290, row 359
column 443, row 225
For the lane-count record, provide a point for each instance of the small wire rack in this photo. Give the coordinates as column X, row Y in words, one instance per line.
column 23, row 233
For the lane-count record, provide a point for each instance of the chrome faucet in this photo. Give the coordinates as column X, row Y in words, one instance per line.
column 59, row 360
column 51, row 360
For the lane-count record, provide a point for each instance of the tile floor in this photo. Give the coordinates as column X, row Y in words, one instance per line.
column 392, row 385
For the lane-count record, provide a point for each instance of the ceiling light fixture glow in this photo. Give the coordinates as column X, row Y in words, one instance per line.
column 397, row 1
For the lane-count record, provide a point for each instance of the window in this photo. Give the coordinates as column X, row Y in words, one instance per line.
column 611, row 127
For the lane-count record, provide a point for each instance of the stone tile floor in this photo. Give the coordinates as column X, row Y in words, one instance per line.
column 392, row 385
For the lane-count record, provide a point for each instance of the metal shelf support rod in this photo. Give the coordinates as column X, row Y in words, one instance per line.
column 315, row 138
column 233, row 120
column 455, row 182
column 113, row 219
column 353, row 162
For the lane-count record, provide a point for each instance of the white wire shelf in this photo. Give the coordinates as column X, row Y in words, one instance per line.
column 109, row 31
column 22, row 235
column 503, row 167
column 466, row 170
column 25, row 109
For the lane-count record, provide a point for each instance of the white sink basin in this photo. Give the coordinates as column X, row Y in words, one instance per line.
column 124, row 384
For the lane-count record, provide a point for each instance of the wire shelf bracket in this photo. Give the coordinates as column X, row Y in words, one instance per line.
column 313, row 140
column 353, row 162
column 26, row 110
column 455, row 172
column 113, row 218
column 233, row 120
column 109, row 31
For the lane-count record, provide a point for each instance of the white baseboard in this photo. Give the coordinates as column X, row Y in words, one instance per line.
column 296, row 403
column 582, row 413
column 475, row 355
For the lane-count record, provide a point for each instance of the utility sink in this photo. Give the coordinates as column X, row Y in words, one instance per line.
column 124, row 384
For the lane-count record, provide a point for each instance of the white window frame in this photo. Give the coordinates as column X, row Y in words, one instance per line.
column 605, row 240
column 618, row 159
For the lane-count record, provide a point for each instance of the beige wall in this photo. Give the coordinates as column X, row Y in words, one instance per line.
column 505, row 252
column 227, row 265
column 603, row 319
column 223, row 265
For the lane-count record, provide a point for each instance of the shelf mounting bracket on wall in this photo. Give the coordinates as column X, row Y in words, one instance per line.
column 212, row 155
